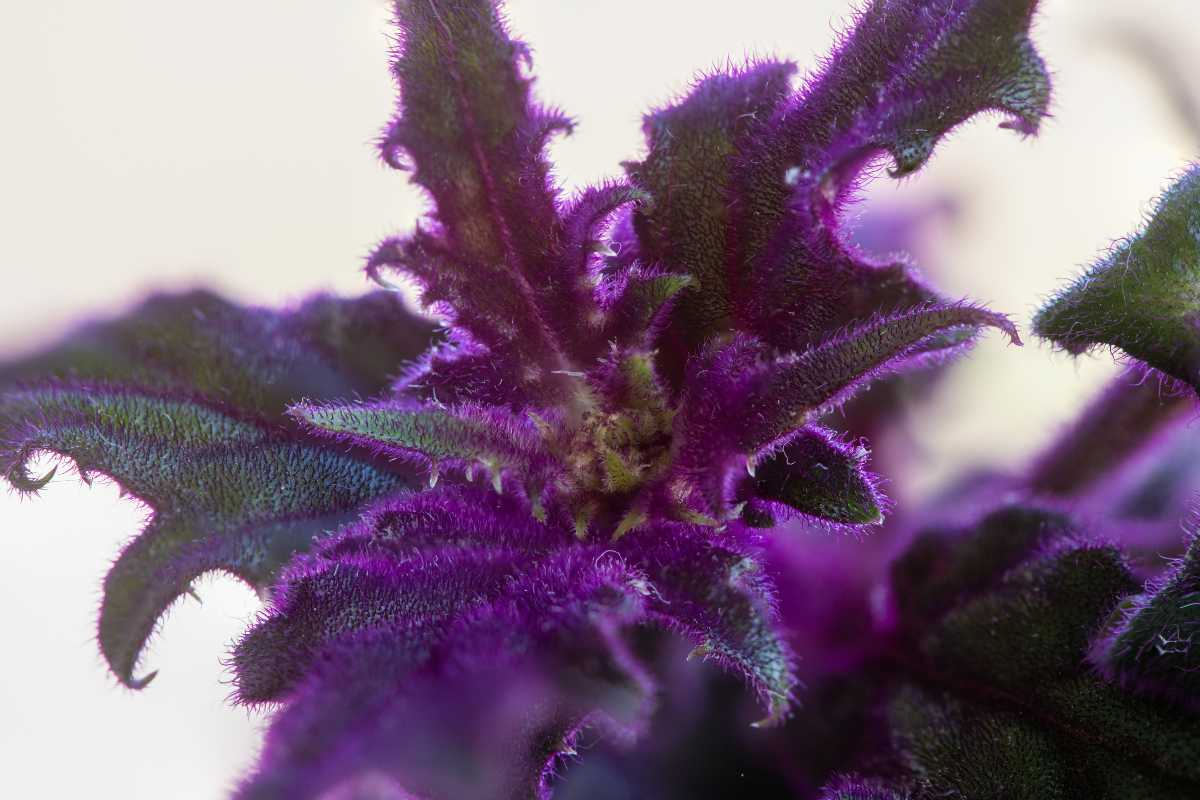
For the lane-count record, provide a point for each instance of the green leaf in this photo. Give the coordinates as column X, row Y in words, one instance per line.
column 1144, row 296
column 227, row 492
column 255, row 359
column 994, row 697
column 463, row 435
column 1151, row 642
column 819, row 477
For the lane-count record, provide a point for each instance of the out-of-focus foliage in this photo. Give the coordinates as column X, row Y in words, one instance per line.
column 994, row 627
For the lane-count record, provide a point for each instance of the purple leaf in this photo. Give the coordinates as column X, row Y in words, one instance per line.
column 741, row 399
column 459, row 516
column 800, row 387
column 687, row 174
column 467, row 121
column 717, row 597
column 638, row 370
column 1132, row 412
column 402, row 687
column 908, row 73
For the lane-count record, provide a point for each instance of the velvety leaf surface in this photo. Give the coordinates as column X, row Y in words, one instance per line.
column 746, row 179
column 720, row 599
column 467, row 434
column 320, row 602
column 817, row 477
column 822, row 378
column 742, row 398
column 228, row 492
column 997, row 699
column 475, row 139
column 178, row 401
column 401, row 656
column 688, row 176
column 1144, row 297
column 908, row 73
column 255, row 359
column 1149, row 644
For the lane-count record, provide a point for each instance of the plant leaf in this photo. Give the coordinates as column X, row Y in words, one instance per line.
column 996, row 700
column 639, row 304
column 501, row 690
column 465, row 434
column 816, row 477
column 1151, row 643
column 228, row 493
column 1144, row 297
column 687, row 173
column 909, row 73
column 255, row 359
column 1124, row 419
column 466, row 120
column 321, row 600
column 740, row 399
column 809, row 384
column 719, row 600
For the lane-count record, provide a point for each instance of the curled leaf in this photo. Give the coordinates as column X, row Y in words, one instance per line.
column 908, row 73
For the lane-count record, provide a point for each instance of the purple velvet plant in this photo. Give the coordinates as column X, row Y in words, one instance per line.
column 601, row 445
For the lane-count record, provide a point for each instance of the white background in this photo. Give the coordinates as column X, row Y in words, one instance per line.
column 155, row 144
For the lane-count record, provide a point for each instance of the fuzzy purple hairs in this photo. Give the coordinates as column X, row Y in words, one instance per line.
column 461, row 535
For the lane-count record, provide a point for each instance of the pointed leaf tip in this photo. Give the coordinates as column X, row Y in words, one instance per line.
column 1144, row 296
column 819, row 477
column 799, row 387
column 141, row 683
column 22, row 481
